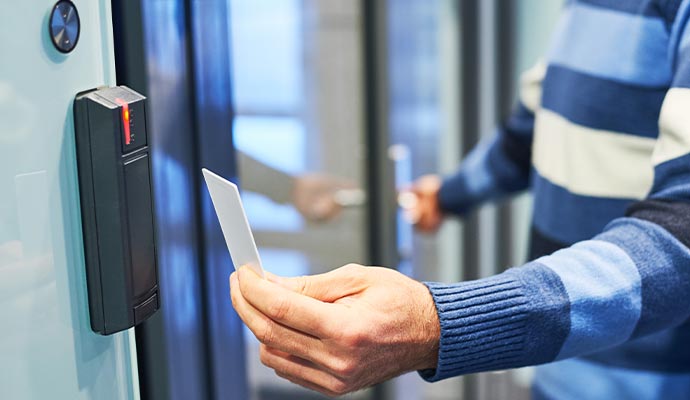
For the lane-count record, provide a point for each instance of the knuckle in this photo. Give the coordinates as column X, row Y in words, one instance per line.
column 330, row 329
column 339, row 387
column 352, row 268
column 264, row 357
column 344, row 368
column 352, row 338
column 302, row 285
column 290, row 378
column 237, row 303
column 266, row 334
column 233, row 297
column 285, row 376
column 279, row 309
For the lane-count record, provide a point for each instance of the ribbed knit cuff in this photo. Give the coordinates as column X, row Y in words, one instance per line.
column 483, row 326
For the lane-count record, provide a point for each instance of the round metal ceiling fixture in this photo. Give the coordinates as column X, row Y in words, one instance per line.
column 64, row 26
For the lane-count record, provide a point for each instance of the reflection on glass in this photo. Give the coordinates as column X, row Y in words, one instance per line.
column 267, row 52
column 417, row 91
column 264, row 214
column 175, row 196
column 279, row 142
column 298, row 131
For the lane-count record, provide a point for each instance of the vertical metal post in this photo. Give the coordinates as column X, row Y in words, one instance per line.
column 382, row 207
column 505, row 98
column 469, row 127
column 470, row 89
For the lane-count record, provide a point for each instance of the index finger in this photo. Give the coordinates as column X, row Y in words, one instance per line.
column 289, row 308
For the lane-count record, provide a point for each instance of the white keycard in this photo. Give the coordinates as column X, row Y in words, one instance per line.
column 233, row 222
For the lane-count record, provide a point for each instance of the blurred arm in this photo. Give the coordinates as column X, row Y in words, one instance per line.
column 258, row 177
column 499, row 165
column 313, row 195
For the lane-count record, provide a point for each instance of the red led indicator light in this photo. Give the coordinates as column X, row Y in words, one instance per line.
column 125, row 119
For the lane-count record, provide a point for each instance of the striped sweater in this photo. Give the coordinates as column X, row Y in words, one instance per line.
column 602, row 138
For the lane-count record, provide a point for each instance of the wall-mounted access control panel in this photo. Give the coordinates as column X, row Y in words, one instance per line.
column 114, row 163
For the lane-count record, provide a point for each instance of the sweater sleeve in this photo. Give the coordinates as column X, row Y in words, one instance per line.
column 631, row 280
column 499, row 165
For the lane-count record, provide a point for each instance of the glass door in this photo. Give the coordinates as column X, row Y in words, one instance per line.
column 299, row 131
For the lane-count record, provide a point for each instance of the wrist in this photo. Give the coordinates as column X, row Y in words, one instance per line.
column 482, row 325
column 430, row 330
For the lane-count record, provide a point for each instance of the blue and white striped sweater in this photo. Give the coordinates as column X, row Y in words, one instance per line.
column 602, row 137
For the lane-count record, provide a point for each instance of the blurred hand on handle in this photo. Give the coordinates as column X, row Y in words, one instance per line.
column 420, row 202
column 321, row 197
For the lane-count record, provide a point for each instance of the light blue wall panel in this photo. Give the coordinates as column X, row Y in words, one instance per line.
column 47, row 349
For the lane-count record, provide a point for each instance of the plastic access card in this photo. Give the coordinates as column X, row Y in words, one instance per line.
column 233, row 222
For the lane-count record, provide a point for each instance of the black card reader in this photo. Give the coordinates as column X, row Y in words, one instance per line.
column 114, row 164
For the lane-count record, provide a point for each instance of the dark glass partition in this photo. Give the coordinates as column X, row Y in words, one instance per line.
column 176, row 52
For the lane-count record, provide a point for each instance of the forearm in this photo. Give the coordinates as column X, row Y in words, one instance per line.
column 496, row 167
column 627, row 282
column 500, row 166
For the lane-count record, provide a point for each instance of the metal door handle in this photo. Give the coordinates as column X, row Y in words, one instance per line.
column 350, row 198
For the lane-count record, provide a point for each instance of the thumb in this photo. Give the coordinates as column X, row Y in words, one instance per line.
column 327, row 287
